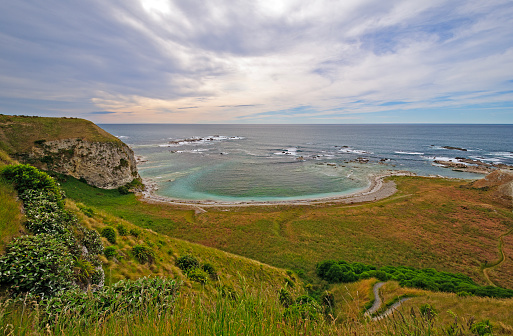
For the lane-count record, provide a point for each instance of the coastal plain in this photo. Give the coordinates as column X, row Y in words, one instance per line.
column 441, row 223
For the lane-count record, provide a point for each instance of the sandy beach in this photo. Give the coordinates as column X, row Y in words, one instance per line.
column 376, row 190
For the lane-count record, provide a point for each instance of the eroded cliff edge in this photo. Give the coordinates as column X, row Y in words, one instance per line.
column 69, row 146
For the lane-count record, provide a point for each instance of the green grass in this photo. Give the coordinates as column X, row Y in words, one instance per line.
column 10, row 215
column 18, row 133
column 435, row 223
column 252, row 312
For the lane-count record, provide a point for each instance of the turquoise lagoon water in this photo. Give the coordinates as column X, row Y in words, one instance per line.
column 287, row 162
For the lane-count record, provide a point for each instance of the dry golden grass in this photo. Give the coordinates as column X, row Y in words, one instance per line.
column 229, row 267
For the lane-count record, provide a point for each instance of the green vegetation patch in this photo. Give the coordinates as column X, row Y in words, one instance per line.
column 428, row 279
column 53, row 259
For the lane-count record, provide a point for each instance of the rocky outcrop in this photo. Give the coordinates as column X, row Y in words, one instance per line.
column 502, row 179
column 106, row 165
column 471, row 166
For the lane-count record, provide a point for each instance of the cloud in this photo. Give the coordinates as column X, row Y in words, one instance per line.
column 223, row 61
column 102, row 112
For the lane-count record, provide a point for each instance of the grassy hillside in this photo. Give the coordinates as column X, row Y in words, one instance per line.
column 438, row 223
column 230, row 268
column 10, row 215
column 18, row 133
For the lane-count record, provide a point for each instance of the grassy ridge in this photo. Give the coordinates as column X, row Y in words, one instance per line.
column 18, row 133
column 435, row 223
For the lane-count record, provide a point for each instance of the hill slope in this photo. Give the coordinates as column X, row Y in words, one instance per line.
column 70, row 146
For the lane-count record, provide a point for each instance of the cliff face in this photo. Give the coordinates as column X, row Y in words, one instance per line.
column 69, row 146
column 105, row 165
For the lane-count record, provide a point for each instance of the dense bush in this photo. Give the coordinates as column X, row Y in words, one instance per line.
column 198, row 275
column 39, row 264
column 211, row 270
column 25, row 177
column 187, row 262
column 482, row 328
column 143, row 254
column 110, row 234
column 110, row 252
column 429, row 279
column 92, row 241
column 122, row 230
column 124, row 190
column 54, row 258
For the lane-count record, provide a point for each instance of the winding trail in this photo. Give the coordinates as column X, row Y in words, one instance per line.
column 377, row 304
column 486, row 267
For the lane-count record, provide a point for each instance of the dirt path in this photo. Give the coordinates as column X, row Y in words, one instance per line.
column 486, row 267
column 377, row 304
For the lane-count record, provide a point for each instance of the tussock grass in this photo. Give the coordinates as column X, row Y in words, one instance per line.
column 250, row 312
column 167, row 250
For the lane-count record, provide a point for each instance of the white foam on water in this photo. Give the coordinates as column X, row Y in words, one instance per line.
column 409, row 153
column 354, row 151
column 289, row 151
column 444, row 158
column 508, row 155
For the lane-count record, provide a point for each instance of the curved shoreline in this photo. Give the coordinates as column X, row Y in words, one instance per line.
column 376, row 190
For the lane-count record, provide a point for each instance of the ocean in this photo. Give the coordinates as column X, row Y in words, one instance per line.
column 290, row 162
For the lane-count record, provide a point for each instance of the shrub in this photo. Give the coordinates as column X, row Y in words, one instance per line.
column 299, row 312
column 110, row 234
column 187, row 262
column 482, row 328
column 110, row 252
column 92, row 242
column 38, row 264
column 122, row 230
column 428, row 311
column 323, row 267
column 430, row 279
column 124, row 190
column 135, row 232
column 44, row 214
column 143, row 254
column 24, row 177
column 285, row 298
column 83, row 270
column 98, row 277
column 198, row 275
column 211, row 270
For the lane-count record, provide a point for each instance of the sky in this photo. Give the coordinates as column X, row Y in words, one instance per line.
column 259, row 61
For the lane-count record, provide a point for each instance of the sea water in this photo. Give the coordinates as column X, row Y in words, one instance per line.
column 287, row 162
